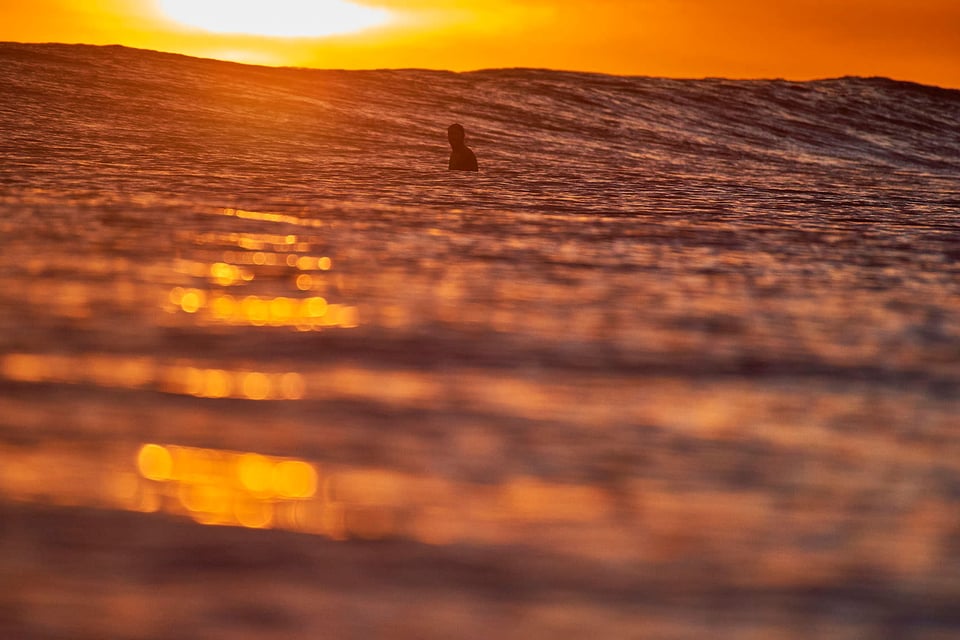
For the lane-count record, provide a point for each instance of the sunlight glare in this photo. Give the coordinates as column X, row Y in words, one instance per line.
column 280, row 18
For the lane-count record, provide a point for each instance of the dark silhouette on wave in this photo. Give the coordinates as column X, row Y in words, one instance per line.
column 462, row 157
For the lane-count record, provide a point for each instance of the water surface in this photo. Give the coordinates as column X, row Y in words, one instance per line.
column 684, row 358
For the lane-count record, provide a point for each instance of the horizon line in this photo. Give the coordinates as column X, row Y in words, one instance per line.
column 485, row 69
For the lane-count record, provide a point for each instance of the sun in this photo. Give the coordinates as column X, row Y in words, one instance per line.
column 278, row 18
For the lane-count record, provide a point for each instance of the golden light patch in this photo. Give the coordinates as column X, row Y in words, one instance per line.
column 277, row 18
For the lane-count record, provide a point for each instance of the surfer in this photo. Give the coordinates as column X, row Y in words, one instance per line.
column 461, row 157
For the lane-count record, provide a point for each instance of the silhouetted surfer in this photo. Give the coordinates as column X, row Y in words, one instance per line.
column 461, row 157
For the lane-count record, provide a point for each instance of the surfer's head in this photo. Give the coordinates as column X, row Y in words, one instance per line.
column 456, row 134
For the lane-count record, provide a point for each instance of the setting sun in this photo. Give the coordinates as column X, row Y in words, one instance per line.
column 278, row 18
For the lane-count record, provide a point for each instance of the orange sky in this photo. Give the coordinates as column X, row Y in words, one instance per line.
column 799, row 39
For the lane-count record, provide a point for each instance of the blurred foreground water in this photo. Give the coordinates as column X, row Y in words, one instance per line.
column 675, row 391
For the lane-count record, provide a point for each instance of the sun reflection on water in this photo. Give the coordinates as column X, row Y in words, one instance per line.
column 272, row 258
column 148, row 373
column 266, row 216
column 304, row 314
column 223, row 487
column 261, row 491
column 254, row 490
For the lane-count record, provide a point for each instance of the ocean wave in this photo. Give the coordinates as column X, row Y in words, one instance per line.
column 156, row 121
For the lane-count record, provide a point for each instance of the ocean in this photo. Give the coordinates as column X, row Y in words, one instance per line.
column 682, row 360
